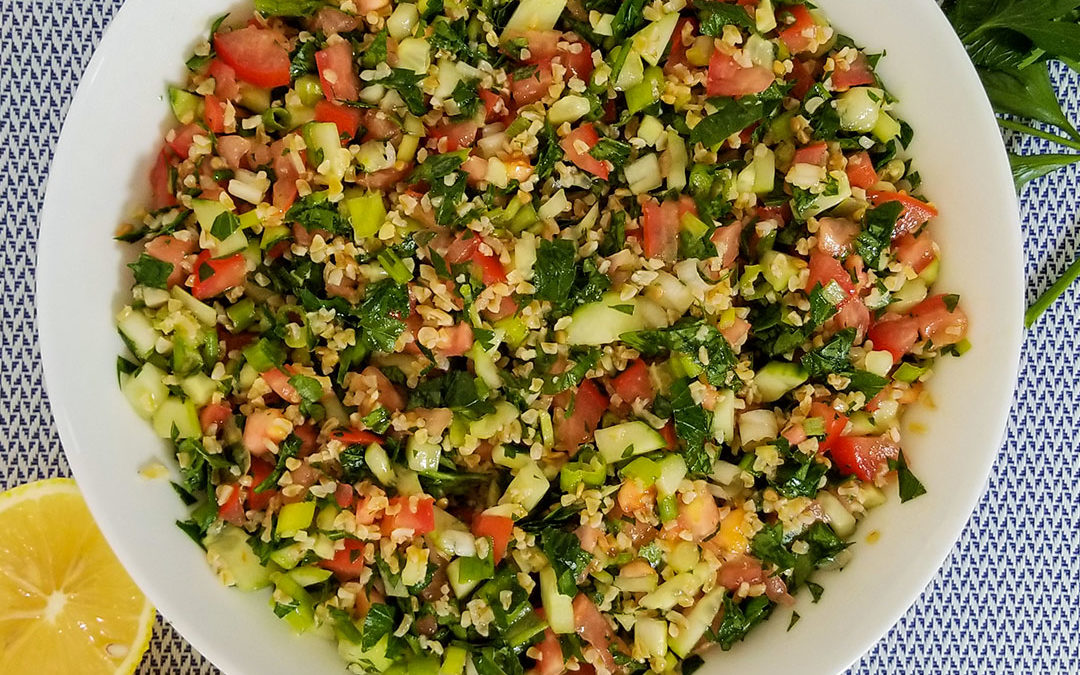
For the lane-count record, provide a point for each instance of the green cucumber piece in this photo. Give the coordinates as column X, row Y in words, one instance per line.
column 622, row 441
column 778, row 378
column 229, row 551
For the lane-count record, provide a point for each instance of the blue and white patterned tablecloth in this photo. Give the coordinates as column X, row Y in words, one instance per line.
column 1008, row 597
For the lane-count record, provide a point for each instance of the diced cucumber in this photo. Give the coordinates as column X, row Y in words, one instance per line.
column 886, row 128
column 672, row 591
column 379, row 462
column 633, row 71
column 652, row 40
column 230, row 553
column 864, row 423
column 879, row 362
column 489, row 425
column 462, row 586
column 408, row 482
column 568, row 109
column 910, row 294
column 838, row 517
column 650, row 637
column 451, row 536
column 534, row 15
column 206, row 212
column 930, row 274
column 199, row 388
column 672, row 472
column 779, row 269
column 859, row 108
column 324, row 147
column 403, row 20
column 422, row 456
column 757, row 425
column 273, row 234
column 186, row 106
column 367, row 212
column 309, row 575
column 255, row 99
column 643, row 174
column 558, row 608
column 647, row 91
column 830, row 198
column 637, row 584
column 181, row 415
column 288, row 557
column 454, row 658
column 765, row 16
column 372, row 660
column 778, row 378
column 137, row 331
column 871, row 495
column 293, row 518
column 205, row 314
column 723, row 419
column 698, row 620
column 622, row 441
column 677, row 162
column 414, row 54
column 302, row 616
column 499, row 456
column 527, row 488
column 484, row 365
column 650, row 129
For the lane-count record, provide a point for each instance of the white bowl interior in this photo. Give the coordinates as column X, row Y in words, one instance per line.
column 111, row 134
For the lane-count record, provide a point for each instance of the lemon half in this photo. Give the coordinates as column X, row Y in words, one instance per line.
column 66, row 604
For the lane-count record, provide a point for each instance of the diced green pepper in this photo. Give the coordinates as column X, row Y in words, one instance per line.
column 294, row 517
column 647, row 92
column 367, row 212
column 242, row 314
column 309, row 89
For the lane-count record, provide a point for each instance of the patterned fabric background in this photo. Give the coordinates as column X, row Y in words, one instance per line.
column 1007, row 599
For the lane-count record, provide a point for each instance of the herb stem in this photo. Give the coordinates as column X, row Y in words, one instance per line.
column 1052, row 294
column 1045, row 135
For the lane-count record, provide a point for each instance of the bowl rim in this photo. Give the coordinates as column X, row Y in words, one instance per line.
column 50, row 344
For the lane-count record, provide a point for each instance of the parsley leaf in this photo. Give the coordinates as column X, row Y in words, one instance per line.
column 692, row 426
column 616, row 152
column 832, row 357
column 224, row 225
column 303, row 59
column 315, row 212
column 288, row 449
column 716, row 15
column 456, row 390
column 451, row 36
column 737, row 621
column 554, row 269
column 690, row 338
column 149, row 271
column 569, row 560
column 549, row 151
column 380, row 315
column 407, row 85
column 910, row 487
column 466, row 97
column 287, row 7
column 378, row 622
column 800, row 474
column 375, row 53
column 731, row 116
column 877, row 232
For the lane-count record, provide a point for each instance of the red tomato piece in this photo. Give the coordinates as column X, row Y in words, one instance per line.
column 256, row 54
column 728, row 78
column 498, row 528
column 507, row 307
column 356, row 436
column 677, row 54
column 915, row 251
column 215, row 276
column 214, row 112
column 232, row 511
column 660, row 226
column 825, row 268
column 161, row 182
column 578, row 61
column 225, row 85
column 940, row 320
column 592, row 627
column 458, row 135
column 348, row 563
column 577, row 145
column 542, row 44
column 337, row 73
column 860, row 170
column 345, row 118
column 184, row 137
column 416, row 514
column 455, row 340
column 818, row 154
column 863, row 456
column 343, row 495
column 169, row 249
column 855, row 74
column 726, row 240
column 278, row 381
column 804, row 75
column 549, row 660
column 634, row 383
column 234, row 149
column 834, row 424
column 853, row 313
column 895, row 335
column 285, row 176
column 589, row 406
column 260, row 471
column 256, row 430
column 532, row 88
column 799, row 34
column 213, row 416
column 491, row 270
column 671, row 439
column 915, row 213
column 494, row 105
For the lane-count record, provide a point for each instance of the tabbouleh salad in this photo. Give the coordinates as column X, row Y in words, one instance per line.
column 546, row 335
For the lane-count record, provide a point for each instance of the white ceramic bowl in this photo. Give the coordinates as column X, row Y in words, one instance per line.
column 111, row 134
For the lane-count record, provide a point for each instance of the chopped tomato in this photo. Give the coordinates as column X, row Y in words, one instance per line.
column 458, row 135
column 895, row 335
column 542, row 44
column 233, row 149
column 825, row 268
column 348, row 563
column 214, row 111
column 799, row 34
column 345, row 118
column 738, row 571
column 378, row 126
column 532, row 87
column 285, row 176
column 256, row 54
column 161, row 182
column 415, row 513
column 307, row 435
column 356, row 436
column 455, row 340
column 215, row 276
column 726, row 240
column 169, row 249
column 508, row 306
column 232, row 511
column 671, row 439
column 491, row 270
column 278, row 381
column 700, row 517
column 385, row 179
column 677, row 54
column 592, row 627
column 213, row 416
column 225, row 85
column 634, row 383
column 260, row 471
column 863, row 456
column 576, row 428
column 494, row 105
column 818, row 154
column 499, row 528
column 915, row 213
column 834, row 424
column 853, row 313
column 184, row 137
column 336, row 72
column 579, row 62
column 836, row 236
column 860, row 170
column 549, row 658
column 577, row 145
column 388, row 395
column 804, row 75
column 661, row 224
column 728, row 78
column 257, row 429
column 915, row 251
column 940, row 320
column 855, row 74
